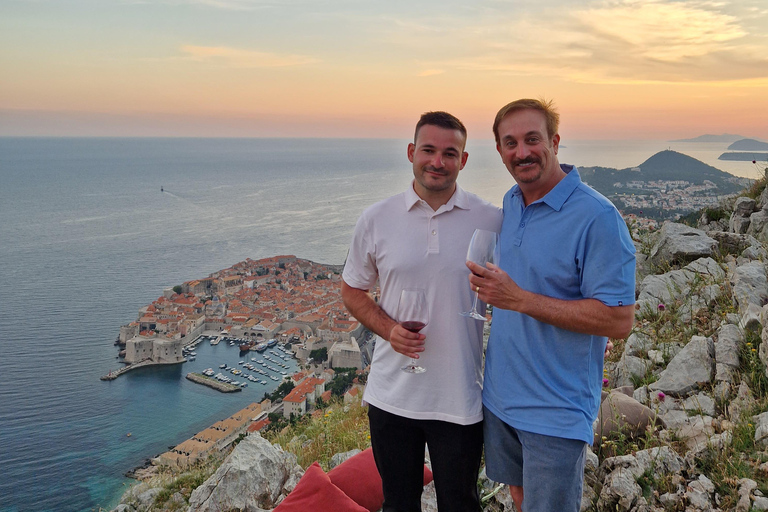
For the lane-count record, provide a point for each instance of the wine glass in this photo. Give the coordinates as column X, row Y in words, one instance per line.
column 413, row 314
column 483, row 248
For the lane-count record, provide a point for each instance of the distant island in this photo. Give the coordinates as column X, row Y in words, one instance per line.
column 749, row 145
column 667, row 185
column 744, row 156
column 725, row 137
column 746, row 150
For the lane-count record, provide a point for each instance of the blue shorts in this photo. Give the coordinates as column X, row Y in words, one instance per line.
column 549, row 469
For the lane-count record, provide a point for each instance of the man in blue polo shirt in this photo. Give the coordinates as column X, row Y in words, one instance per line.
column 566, row 283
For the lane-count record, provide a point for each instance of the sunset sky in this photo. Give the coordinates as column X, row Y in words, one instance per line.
column 359, row 68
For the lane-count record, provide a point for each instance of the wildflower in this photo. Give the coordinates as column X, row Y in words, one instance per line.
column 662, row 396
column 605, row 382
column 662, row 307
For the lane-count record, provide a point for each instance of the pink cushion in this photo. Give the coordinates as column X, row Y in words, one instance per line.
column 360, row 480
column 316, row 493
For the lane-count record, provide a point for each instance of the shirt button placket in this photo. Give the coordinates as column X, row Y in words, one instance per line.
column 433, row 238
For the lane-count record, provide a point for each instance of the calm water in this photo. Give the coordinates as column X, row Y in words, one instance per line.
column 87, row 238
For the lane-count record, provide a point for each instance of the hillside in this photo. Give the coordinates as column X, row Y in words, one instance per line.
column 665, row 166
column 667, row 185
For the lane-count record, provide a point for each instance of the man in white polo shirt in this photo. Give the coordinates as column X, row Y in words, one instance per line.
column 419, row 239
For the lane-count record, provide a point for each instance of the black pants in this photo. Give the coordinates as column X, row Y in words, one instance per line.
column 455, row 451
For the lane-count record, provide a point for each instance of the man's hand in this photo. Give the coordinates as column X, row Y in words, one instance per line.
column 406, row 342
column 587, row 316
column 366, row 311
column 494, row 286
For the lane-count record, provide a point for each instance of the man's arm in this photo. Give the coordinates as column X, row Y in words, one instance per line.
column 588, row 316
column 361, row 305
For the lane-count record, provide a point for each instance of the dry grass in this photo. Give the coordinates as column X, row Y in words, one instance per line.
column 336, row 429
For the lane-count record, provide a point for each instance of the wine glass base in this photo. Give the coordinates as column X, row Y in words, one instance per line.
column 474, row 314
column 413, row 368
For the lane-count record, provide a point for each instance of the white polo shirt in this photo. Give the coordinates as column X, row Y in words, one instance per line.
column 403, row 243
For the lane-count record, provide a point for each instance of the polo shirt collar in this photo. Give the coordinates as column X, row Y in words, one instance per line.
column 556, row 197
column 459, row 199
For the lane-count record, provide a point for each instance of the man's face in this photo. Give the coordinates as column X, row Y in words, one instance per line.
column 437, row 156
column 526, row 150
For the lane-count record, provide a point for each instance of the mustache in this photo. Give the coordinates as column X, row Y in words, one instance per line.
column 527, row 160
column 440, row 170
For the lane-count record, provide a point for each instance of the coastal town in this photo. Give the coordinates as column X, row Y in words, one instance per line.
column 282, row 298
column 272, row 309
column 673, row 195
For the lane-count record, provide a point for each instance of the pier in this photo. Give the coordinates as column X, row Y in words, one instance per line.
column 211, row 383
column 112, row 375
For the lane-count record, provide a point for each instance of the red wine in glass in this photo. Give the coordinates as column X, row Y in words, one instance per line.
column 413, row 326
column 413, row 314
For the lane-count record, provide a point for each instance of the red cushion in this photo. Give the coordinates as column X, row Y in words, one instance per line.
column 360, row 480
column 316, row 493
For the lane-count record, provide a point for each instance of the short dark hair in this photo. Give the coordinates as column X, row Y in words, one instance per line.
column 442, row 120
column 546, row 107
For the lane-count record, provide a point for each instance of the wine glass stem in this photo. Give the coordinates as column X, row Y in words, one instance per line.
column 474, row 304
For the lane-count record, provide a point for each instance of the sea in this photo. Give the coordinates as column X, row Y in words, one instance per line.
column 87, row 238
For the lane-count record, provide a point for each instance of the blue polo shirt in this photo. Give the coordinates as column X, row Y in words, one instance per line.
column 571, row 244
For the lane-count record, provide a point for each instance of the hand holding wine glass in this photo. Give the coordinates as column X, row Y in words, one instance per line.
column 413, row 315
column 483, row 248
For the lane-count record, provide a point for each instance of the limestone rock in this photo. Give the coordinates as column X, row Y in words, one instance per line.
column 700, row 493
column 744, row 206
column 620, row 491
column 746, row 486
column 251, row 478
column 743, row 402
column 674, row 419
column 677, row 287
column 691, row 368
column 729, row 341
column 750, row 285
column 629, row 370
column 637, row 344
column 751, row 317
column 661, row 461
column 742, row 209
column 681, row 244
column 761, row 428
column 588, row 496
column 696, row 431
column 760, row 503
column 429, row 498
column 702, row 403
column 341, row 457
column 758, row 224
column 656, row 356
